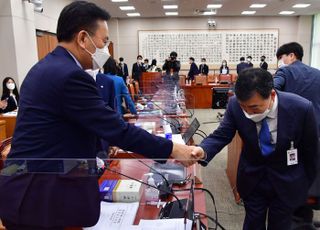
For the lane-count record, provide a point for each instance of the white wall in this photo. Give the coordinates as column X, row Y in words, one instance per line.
column 290, row 29
column 17, row 39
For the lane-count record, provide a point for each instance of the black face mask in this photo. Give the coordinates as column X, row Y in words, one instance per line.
column 262, row 59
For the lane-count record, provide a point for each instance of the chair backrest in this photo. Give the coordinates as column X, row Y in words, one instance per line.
column 225, row 78
column 136, row 87
column 131, row 91
column 4, row 150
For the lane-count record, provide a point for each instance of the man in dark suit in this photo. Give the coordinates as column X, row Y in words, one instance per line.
column 137, row 69
column 193, row 69
column 280, row 142
column 203, row 68
column 61, row 116
column 124, row 69
column 249, row 61
column 296, row 77
column 263, row 64
column 242, row 65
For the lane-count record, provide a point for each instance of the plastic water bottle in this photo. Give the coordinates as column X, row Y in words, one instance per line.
column 168, row 132
column 151, row 194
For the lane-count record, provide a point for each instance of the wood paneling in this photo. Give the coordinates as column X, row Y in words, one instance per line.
column 46, row 42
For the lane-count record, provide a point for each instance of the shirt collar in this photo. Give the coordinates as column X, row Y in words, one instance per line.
column 74, row 58
column 274, row 109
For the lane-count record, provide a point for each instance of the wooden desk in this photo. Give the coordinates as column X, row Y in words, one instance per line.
column 10, row 124
column 149, row 81
column 202, row 95
column 234, row 151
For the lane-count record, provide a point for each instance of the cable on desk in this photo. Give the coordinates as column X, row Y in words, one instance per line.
column 211, row 218
column 213, row 201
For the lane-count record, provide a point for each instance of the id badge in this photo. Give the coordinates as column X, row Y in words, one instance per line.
column 292, row 157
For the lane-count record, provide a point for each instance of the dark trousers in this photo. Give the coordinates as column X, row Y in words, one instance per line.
column 263, row 202
column 13, row 226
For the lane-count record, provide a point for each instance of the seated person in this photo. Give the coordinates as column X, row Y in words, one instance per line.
column 224, row 69
column 120, row 89
column 203, row 68
column 10, row 95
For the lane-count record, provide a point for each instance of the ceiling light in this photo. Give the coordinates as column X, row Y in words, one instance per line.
column 258, row 5
column 126, row 7
column 168, row 7
column 133, row 14
column 214, row 6
column 171, row 13
column 119, row 0
column 248, row 12
column 286, row 12
column 301, row 5
column 209, row 13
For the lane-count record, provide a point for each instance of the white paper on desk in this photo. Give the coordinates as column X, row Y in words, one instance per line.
column 165, row 224
column 177, row 138
column 10, row 114
column 116, row 216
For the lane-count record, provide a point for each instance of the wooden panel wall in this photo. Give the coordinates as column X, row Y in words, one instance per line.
column 46, row 43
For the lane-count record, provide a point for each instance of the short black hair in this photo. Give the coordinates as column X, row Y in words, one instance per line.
column 154, row 62
column 263, row 56
column 203, row 59
column 110, row 67
column 77, row 16
column 242, row 59
column 191, row 58
column 173, row 54
column 121, row 59
column 253, row 80
column 139, row 56
column 146, row 60
column 292, row 47
column 249, row 57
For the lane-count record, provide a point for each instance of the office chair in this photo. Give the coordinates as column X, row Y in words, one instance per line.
column 4, row 150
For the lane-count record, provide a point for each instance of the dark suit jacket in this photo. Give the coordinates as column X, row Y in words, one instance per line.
column 193, row 71
column 204, row 69
column 264, row 65
column 61, row 114
column 241, row 66
column 137, row 71
column 106, row 90
column 124, row 72
column 296, row 122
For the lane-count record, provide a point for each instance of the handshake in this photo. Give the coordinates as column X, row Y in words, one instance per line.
column 187, row 155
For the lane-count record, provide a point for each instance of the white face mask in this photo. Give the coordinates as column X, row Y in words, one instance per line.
column 224, row 64
column 139, row 61
column 258, row 116
column 249, row 60
column 11, row 86
column 203, row 63
column 281, row 64
column 100, row 56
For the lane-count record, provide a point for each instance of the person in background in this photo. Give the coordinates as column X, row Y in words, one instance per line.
column 224, row 69
column 303, row 80
column 263, row 63
column 120, row 89
column 203, row 68
column 193, row 69
column 242, row 65
column 278, row 160
column 249, row 61
column 61, row 116
column 172, row 67
column 146, row 65
column 10, row 94
column 153, row 67
column 124, row 69
column 137, row 69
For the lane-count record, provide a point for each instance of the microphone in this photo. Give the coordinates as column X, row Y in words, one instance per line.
column 167, row 187
column 160, row 190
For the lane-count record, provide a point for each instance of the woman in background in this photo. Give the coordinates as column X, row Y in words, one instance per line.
column 10, row 94
column 224, row 69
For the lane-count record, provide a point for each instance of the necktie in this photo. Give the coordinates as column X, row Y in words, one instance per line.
column 265, row 139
